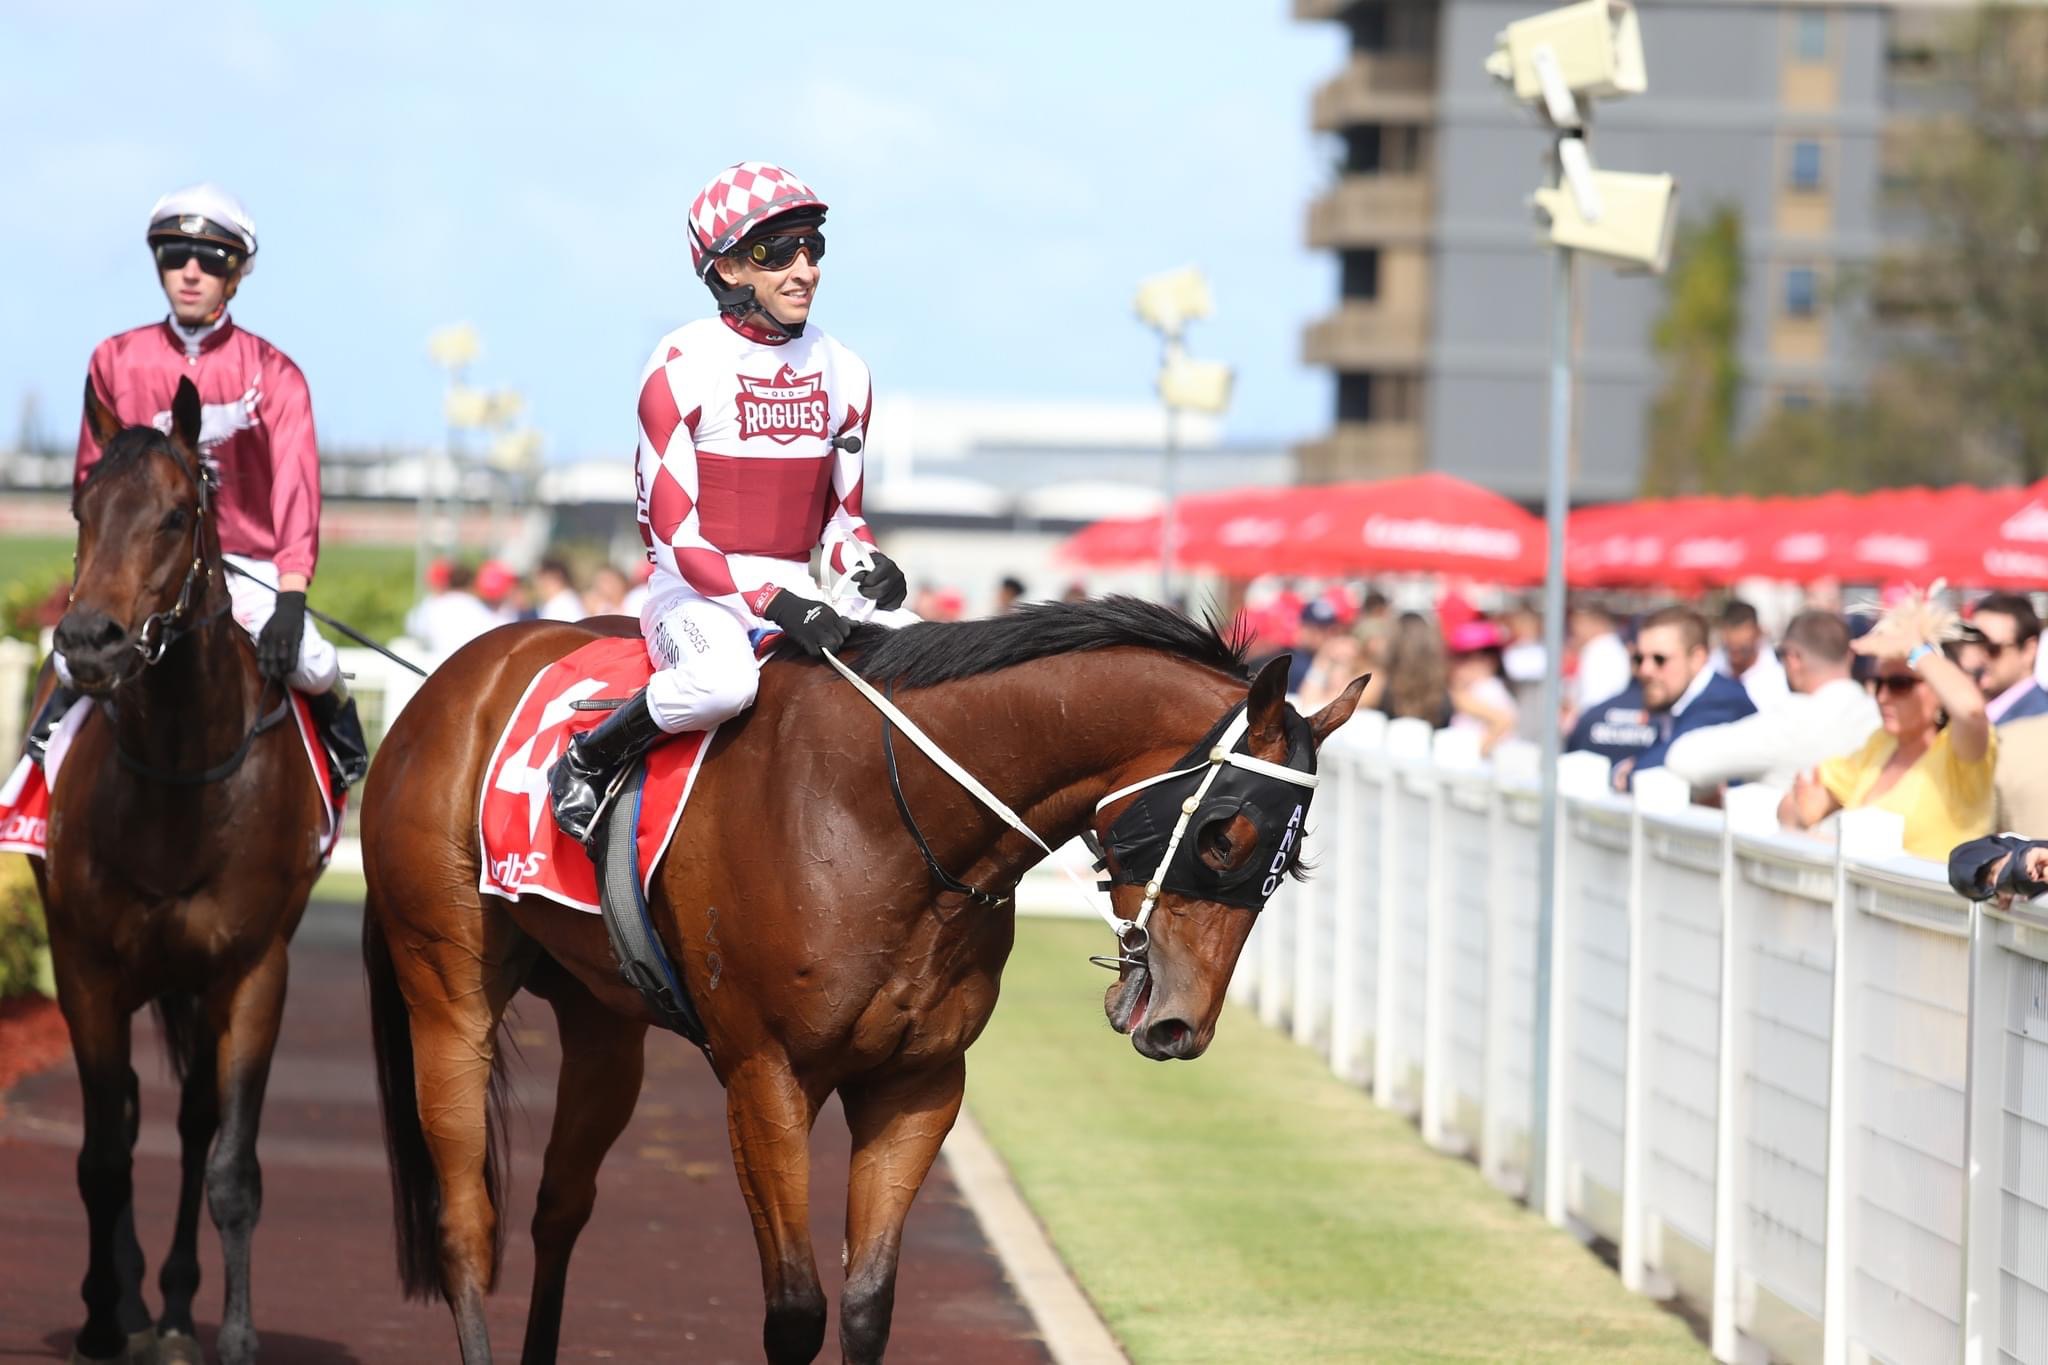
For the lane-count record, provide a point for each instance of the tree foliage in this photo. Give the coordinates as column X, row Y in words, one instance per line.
column 1692, row 419
column 1979, row 184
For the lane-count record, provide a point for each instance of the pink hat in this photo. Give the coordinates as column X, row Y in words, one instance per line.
column 494, row 580
column 1472, row 635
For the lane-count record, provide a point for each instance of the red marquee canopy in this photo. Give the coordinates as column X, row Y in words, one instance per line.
column 1433, row 523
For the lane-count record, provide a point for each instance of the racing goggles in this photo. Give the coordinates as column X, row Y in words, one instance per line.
column 777, row 251
column 215, row 259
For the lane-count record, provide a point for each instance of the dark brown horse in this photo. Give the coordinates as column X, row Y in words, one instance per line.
column 183, row 842
column 803, row 920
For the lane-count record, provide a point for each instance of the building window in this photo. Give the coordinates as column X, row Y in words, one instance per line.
column 1362, row 274
column 1368, row 25
column 1401, row 148
column 1362, row 149
column 1802, row 292
column 1805, row 167
column 1354, row 398
column 1810, row 35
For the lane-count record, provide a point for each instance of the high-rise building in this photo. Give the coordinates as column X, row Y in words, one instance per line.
column 1786, row 110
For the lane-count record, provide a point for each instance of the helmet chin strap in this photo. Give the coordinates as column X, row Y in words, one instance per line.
column 738, row 301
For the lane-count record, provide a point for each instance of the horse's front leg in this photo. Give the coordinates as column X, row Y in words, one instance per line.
column 769, row 1116
column 245, row 1015
column 116, row 1319
column 198, row 1120
column 898, row 1122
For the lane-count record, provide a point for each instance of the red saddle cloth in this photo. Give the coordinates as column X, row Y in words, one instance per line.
column 524, row 852
column 25, row 799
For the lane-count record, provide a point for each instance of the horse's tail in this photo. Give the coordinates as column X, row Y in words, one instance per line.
column 177, row 1018
column 415, row 1187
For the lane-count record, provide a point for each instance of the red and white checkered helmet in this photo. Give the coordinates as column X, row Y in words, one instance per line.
column 737, row 202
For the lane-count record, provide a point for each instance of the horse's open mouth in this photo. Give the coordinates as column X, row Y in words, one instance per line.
column 1128, row 999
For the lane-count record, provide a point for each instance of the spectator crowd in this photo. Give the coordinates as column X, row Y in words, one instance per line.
column 1908, row 707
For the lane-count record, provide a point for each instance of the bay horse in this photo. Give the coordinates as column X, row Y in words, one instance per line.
column 184, row 840
column 819, row 948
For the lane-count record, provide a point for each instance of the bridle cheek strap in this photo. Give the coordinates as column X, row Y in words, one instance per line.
column 1220, row 756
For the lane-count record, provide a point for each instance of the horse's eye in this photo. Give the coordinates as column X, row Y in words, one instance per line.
column 174, row 520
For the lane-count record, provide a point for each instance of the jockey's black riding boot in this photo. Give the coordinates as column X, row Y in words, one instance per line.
column 341, row 730
column 52, row 710
column 577, row 782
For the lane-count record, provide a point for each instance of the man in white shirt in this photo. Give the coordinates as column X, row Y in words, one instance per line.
column 1825, row 713
column 1604, row 668
column 448, row 620
column 1747, row 657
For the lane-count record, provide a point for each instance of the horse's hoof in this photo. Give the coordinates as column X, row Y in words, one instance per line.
column 174, row 1348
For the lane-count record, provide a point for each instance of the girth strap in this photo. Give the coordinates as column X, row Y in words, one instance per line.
column 643, row 962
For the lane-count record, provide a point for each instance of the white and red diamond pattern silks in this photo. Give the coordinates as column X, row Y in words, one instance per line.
column 737, row 480
column 738, row 200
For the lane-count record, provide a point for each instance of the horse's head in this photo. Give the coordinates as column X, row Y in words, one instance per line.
column 1194, row 855
column 142, row 546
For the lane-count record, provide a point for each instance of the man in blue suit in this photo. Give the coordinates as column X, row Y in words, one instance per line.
column 1679, row 691
column 2012, row 639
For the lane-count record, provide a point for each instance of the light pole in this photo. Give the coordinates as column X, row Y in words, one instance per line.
column 1167, row 303
column 1557, row 63
column 452, row 348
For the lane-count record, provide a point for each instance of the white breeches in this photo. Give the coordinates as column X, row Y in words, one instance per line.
column 319, row 666
column 705, row 668
column 252, row 603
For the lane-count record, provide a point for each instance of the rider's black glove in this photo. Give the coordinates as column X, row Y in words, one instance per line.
column 813, row 625
column 884, row 584
column 277, row 648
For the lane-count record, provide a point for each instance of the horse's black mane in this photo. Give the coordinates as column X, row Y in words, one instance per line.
column 932, row 652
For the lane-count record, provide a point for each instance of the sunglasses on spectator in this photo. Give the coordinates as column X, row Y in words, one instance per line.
column 214, row 259
column 773, row 253
column 1636, row 659
column 1895, row 683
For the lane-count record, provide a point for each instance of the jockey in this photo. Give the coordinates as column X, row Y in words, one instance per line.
column 751, row 427
column 256, row 434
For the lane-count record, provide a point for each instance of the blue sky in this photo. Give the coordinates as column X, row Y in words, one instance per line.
column 1000, row 175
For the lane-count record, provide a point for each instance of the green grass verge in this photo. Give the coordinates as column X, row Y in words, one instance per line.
column 1251, row 1207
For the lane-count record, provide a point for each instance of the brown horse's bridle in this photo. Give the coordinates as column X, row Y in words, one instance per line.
column 1133, row 936
column 162, row 629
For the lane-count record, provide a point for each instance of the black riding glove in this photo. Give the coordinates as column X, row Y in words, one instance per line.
column 813, row 625
column 884, row 584
column 277, row 648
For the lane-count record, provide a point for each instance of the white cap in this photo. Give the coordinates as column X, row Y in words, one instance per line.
column 204, row 211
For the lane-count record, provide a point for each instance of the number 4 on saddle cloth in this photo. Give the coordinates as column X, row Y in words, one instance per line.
column 25, row 799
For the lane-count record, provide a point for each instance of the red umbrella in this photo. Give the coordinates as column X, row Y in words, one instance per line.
column 1428, row 523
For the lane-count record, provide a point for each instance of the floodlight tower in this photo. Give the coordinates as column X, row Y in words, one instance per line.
column 1557, row 63
column 1167, row 303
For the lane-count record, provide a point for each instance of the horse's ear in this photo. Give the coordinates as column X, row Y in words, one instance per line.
column 1266, row 709
column 185, row 415
column 1323, row 722
column 99, row 418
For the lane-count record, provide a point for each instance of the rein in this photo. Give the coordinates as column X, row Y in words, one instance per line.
column 939, row 874
column 267, row 721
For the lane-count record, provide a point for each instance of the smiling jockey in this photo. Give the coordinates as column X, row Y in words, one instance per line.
column 255, row 433
column 751, row 427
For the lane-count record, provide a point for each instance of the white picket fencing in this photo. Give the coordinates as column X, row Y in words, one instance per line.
column 1799, row 1084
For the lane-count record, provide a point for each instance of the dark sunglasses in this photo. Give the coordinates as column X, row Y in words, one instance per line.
column 1895, row 683
column 214, row 259
column 773, row 253
column 1636, row 658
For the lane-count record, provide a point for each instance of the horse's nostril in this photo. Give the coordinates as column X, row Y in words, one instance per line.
column 1169, row 1036
column 89, row 633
